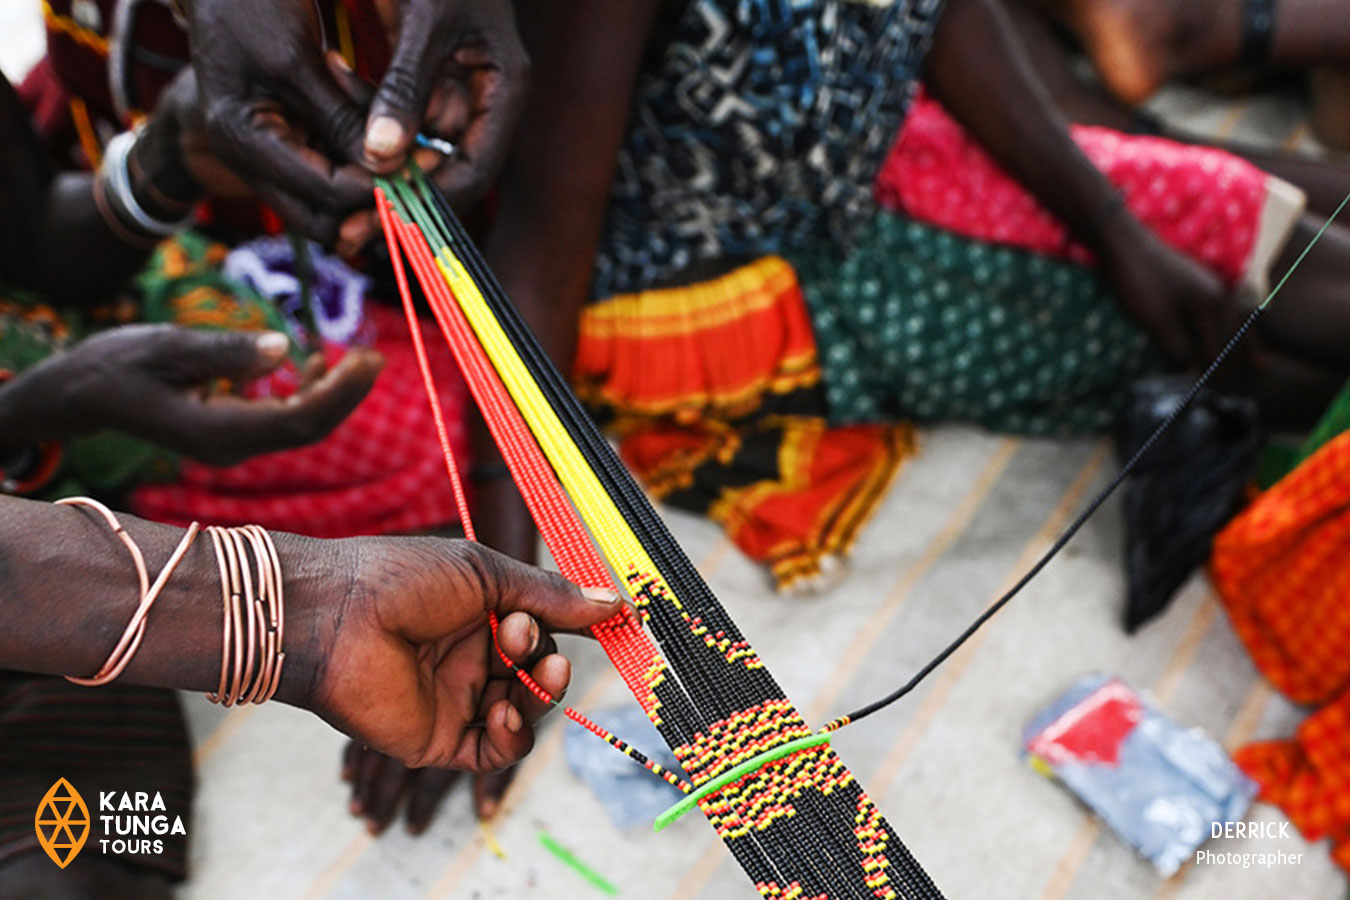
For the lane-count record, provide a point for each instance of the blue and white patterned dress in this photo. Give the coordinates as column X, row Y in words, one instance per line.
column 760, row 131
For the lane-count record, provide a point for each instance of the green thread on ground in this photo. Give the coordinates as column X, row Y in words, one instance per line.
column 566, row 858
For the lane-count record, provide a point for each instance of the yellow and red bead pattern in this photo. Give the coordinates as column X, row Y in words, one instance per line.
column 793, row 820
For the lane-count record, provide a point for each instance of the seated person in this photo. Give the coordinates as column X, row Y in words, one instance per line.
column 700, row 235
column 465, row 60
column 359, row 615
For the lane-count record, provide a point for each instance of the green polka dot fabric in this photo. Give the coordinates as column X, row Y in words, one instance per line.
column 921, row 324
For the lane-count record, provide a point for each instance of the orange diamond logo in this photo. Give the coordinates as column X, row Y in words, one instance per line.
column 62, row 822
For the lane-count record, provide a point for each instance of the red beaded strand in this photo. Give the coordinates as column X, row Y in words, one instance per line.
column 622, row 637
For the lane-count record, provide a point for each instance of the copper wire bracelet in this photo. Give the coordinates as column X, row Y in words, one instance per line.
column 130, row 641
column 254, row 615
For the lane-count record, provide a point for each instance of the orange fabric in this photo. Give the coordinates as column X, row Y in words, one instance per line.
column 830, row 480
column 711, row 349
column 1309, row 776
column 1283, row 570
column 714, row 390
column 826, row 485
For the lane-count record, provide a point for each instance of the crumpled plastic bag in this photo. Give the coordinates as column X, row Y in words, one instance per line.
column 1159, row 786
column 1187, row 487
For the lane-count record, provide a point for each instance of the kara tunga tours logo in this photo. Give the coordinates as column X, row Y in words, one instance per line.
column 126, row 823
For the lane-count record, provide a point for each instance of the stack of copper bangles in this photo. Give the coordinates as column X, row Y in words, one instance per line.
column 255, row 616
column 254, row 608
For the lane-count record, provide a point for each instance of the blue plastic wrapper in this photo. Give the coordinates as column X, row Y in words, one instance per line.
column 629, row 793
column 1159, row 786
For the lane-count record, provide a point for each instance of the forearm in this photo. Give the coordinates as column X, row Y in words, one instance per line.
column 555, row 190
column 979, row 71
column 554, row 196
column 82, row 252
column 55, row 239
column 68, row 589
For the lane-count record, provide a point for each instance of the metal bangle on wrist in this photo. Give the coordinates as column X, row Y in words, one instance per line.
column 115, row 177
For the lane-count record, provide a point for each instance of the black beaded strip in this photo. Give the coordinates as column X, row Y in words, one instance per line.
column 818, row 847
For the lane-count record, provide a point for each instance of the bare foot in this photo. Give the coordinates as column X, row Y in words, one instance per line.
column 380, row 785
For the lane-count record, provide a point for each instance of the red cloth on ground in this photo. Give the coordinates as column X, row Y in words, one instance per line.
column 381, row 471
column 1204, row 202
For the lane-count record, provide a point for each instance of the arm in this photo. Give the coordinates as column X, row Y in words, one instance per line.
column 53, row 236
column 979, row 71
column 67, row 589
column 555, row 192
column 154, row 382
column 386, row 639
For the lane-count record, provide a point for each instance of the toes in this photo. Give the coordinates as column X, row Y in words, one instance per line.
column 378, row 784
column 488, row 791
column 427, row 790
column 383, row 794
column 351, row 758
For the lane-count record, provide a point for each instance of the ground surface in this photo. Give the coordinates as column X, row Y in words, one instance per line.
column 963, row 519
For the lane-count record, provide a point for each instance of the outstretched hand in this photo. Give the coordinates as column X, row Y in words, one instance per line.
column 412, row 670
column 153, row 382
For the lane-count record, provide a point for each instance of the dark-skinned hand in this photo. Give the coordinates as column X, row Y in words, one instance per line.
column 257, row 59
column 154, row 382
column 382, row 786
column 412, row 671
column 1182, row 305
column 459, row 72
column 253, row 58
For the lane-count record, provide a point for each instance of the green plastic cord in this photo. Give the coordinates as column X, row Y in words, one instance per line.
column 753, row 764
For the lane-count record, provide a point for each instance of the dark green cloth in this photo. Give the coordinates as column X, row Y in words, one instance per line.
column 1281, row 457
column 921, row 324
column 1334, row 422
